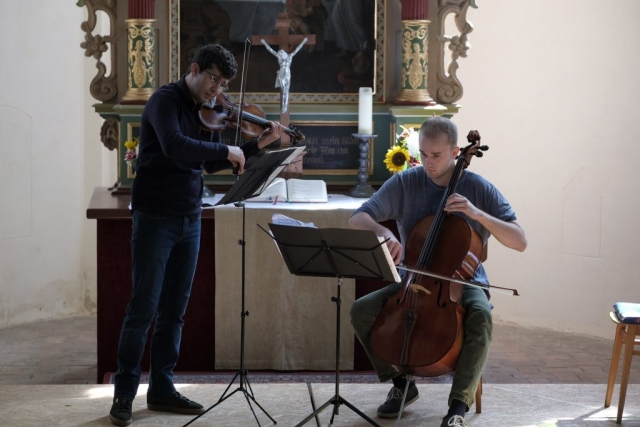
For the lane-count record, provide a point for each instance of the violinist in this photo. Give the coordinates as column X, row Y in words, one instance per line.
column 408, row 197
column 166, row 202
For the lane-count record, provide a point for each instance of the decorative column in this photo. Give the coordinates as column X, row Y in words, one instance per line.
column 415, row 57
column 141, row 79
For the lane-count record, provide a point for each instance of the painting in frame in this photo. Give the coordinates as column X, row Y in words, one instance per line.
column 331, row 71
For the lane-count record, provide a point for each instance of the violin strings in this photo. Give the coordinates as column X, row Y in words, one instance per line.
column 257, row 119
column 250, row 116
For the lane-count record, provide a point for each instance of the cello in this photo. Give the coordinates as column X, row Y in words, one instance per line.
column 420, row 329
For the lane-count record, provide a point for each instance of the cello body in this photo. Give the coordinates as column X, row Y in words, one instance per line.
column 423, row 335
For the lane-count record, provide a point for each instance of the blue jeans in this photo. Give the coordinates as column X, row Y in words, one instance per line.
column 164, row 253
column 478, row 328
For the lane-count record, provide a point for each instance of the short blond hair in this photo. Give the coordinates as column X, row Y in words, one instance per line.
column 435, row 126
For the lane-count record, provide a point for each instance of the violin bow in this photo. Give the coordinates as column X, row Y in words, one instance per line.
column 507, row 291
column 243, row 82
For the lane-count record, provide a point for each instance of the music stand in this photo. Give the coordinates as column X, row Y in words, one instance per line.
column 251, row 183
column 339, row 253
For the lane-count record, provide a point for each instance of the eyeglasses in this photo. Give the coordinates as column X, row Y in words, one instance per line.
column 218, row 81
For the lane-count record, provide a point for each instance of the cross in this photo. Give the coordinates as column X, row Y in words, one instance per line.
column 286, row 42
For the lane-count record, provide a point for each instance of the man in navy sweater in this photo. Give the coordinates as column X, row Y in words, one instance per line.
column 166, row 201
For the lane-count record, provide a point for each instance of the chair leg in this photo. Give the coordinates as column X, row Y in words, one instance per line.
column 479, row 397
column 628, row 354
column 615, row 358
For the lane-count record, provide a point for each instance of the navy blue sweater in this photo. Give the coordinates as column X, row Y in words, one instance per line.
column 173, row 151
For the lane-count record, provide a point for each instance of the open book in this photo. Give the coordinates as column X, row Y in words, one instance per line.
column 294, row 190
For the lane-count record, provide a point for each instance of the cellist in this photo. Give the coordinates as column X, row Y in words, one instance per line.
column 408, row 197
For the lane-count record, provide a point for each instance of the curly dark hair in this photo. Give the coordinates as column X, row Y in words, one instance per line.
column 214, row 54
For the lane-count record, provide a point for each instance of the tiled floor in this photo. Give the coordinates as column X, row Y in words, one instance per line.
column 64, row 352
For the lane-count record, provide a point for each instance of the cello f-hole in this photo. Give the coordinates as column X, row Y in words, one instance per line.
column 439, row 302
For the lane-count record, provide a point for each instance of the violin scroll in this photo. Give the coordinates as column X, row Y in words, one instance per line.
column 295, row 135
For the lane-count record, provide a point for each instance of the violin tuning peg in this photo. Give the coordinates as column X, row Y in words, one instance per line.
column 479, row 153
column 484, row 147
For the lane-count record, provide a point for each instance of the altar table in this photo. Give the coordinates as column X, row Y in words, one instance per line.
column 278, row 307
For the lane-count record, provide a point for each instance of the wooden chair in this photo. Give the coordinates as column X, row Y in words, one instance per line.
column 483, row 258
column 626, row 335
column 479, row 397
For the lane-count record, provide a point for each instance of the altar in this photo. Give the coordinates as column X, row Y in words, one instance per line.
column 291, row 325
column 292, row 321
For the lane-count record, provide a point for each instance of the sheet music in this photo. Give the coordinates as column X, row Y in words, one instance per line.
column 285, row 220
column 392, row 265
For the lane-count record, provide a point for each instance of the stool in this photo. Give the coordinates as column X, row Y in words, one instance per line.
column 627, row 335
column 479, row 397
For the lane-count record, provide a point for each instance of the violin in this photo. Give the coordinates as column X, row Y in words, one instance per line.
column 420, row 329
column 220, row 113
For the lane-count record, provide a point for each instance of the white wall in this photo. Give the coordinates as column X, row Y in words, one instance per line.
column 50, row 158
column 552, row 86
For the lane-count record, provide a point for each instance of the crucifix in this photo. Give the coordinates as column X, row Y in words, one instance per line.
column 286, row 43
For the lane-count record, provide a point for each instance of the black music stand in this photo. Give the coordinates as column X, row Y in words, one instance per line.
column 250, row 184
column 340, row 253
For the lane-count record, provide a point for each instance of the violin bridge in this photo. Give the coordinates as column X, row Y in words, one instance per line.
column 418, row 288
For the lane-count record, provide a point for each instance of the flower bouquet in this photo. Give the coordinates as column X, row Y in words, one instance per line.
column 405, row 153
column 131, row 155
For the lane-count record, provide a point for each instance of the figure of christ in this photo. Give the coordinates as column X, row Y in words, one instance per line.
column 283, row 79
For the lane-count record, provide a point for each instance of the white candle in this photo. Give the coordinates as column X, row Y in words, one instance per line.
column 365, row 106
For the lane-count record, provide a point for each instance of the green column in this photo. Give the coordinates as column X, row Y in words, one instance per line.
column 141, row 78
column 415, row 60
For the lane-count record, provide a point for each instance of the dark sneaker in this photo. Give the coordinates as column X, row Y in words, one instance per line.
column 174, row 402
column 454, row 421
column 120, row 413
column 391, row 407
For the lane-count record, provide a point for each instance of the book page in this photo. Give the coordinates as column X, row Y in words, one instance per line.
column 277, row 188
column 285, row 220
column 392, row 265
column 307, row 190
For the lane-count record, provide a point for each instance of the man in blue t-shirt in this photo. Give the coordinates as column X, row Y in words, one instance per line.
column 407, row 198
column 166, row 201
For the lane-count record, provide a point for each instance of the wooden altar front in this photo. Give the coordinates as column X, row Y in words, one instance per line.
column 200, row 346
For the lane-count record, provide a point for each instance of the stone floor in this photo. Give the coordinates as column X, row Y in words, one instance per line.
column 64, row 352
column 504, row 405
column 534, row 377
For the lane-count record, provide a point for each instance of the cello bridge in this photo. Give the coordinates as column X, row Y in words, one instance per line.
column 415, row 288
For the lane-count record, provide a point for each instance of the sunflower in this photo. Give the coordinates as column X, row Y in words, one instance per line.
column 396, row 159
column 131, row 145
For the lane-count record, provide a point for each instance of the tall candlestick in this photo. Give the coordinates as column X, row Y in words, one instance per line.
column 365, row 106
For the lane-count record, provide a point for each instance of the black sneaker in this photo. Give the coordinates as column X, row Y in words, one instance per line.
column 120, row 413
column 391, row 407
column 174, row 402
column 454, row 421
